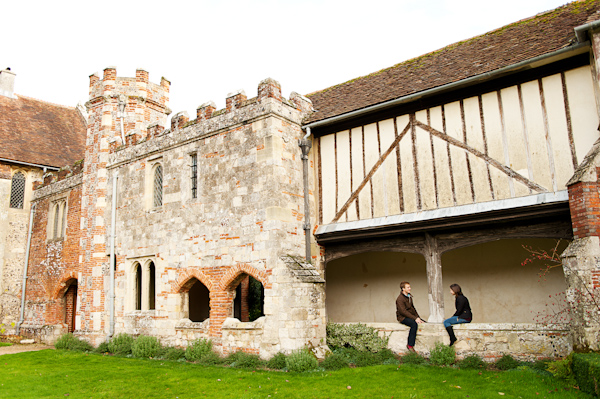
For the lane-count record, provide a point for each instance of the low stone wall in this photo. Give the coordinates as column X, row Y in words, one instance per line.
column 45, row 334
column 524, row 341
column 187, row 331
column 243, row 336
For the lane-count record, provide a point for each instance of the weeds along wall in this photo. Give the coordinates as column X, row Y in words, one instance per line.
column 209, row 201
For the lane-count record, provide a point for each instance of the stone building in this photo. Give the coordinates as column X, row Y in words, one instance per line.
column 35, row 137
column 436, row 170
column 200, row 210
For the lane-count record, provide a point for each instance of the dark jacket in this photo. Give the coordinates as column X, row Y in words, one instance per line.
column 405, row 308
column 463, row 309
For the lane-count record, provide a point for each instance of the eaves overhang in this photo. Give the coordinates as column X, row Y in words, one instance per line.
column 545, row 206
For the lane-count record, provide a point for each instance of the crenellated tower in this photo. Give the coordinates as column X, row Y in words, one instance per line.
column 120, row 110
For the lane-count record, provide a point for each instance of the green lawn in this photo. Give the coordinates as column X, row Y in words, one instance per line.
column 54, row 374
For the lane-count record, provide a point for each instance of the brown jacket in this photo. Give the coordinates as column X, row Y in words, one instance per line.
column 405, row 308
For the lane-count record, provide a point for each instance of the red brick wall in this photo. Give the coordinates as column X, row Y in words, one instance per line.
column 244, row 300
column 584, row 202
column 53, row 263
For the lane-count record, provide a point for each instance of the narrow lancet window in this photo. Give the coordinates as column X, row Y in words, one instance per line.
column 158, row 186
column 194, row 159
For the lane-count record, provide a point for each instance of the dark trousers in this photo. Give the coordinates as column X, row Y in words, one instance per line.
column 412, row 334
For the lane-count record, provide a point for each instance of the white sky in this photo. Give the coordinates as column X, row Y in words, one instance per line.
column 208, row 49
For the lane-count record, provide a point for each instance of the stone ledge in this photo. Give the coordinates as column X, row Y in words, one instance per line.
column 232, row 323
column 187, row 324
column 58, row 187
column 472, row 327
column 302, row 270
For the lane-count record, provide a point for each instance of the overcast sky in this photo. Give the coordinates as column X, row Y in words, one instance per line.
column 208, row 49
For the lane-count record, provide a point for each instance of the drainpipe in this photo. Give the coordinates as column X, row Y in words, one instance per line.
column 306, row 144
column 113, row 233
column 122, row 104
column 24, row 286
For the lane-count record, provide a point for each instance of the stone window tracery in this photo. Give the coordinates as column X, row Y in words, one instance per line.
column 58, row 218
column 144, row 286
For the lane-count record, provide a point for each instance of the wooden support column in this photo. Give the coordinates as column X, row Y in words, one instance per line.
column 434, row 280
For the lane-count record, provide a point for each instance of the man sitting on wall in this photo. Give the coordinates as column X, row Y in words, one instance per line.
column 407, row 314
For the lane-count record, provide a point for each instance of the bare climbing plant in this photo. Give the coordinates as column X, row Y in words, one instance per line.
column 583, row 302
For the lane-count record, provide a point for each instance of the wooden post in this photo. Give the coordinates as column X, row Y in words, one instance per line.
column 434, row 280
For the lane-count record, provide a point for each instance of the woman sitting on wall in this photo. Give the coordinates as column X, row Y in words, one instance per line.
column 463, row 312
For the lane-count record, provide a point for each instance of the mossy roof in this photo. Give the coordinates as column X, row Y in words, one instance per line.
column 541, row 34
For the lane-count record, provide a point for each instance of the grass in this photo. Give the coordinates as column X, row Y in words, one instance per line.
column 56, row 373
column 5, row 344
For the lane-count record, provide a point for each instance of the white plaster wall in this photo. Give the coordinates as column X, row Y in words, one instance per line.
column 522, row 127
column 364, row 287
column 499, row 289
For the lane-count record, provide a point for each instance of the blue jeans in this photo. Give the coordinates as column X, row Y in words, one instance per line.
column 412, row 334
column 454, row 320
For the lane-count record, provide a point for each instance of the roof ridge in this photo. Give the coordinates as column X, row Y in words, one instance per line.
column 454, row 45
column 44, row 101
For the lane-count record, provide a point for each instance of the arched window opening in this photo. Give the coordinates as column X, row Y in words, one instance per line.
column 199, row 302
column 151, row 287
column 17, row 191
column 71, row 305
column 248, row 303
column 138, row 287
column 158, row 186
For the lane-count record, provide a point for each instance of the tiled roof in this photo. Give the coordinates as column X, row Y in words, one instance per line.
column 41, row 133
column 542, row 34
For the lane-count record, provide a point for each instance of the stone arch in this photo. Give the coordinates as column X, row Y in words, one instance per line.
column 236, row 273
column 62, row 287
column 244, row 303
column 186, row 280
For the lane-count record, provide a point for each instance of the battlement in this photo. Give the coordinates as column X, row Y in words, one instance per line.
column 139, row 86
column 209, row 121
column 267, row 89
column 123, row 107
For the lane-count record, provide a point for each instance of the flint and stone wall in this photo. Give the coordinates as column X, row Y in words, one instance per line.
column 581, row 259
column 14, row 224
column 525, row 341
column 246, row 217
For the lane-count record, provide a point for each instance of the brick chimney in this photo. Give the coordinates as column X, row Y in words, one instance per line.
column 7, row 83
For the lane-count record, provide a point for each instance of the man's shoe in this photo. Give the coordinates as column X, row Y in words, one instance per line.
column 411, row 349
